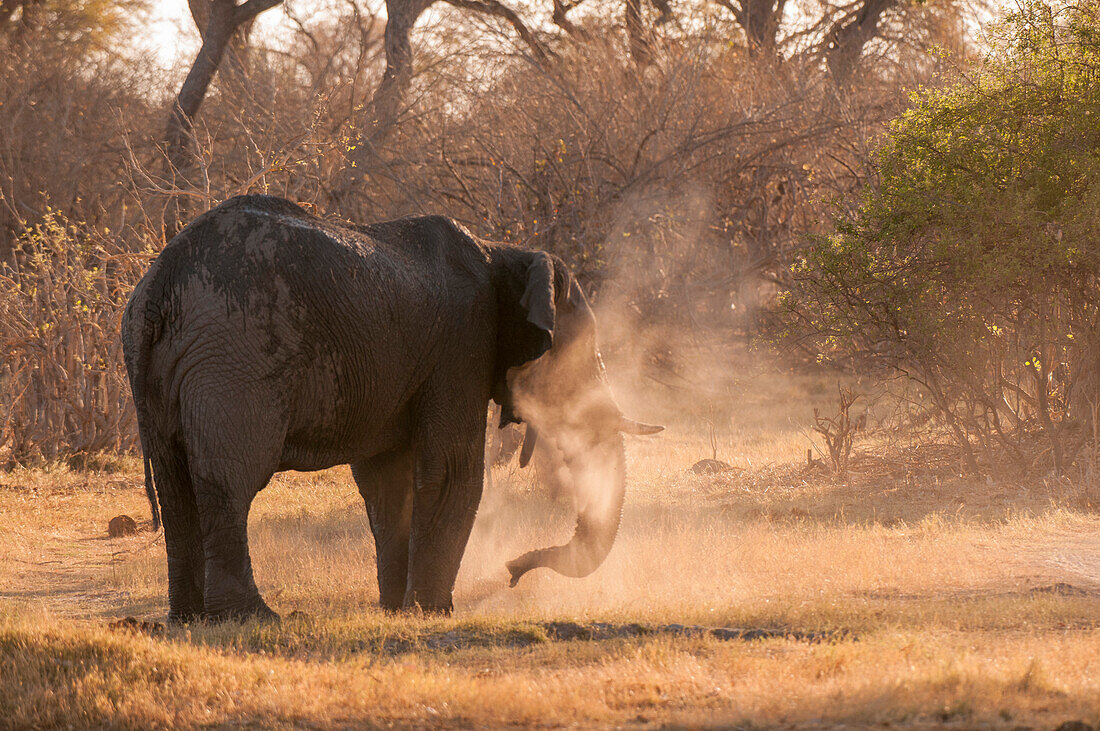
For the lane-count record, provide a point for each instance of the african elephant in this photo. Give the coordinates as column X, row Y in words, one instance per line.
column 264, row 339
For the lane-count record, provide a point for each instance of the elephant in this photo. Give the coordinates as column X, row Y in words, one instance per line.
column 264, row 338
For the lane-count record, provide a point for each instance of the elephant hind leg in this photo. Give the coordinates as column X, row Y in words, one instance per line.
column 231, row 458
column 224, row 499
column 386, row 484
column 230, row 590
column 182, row 534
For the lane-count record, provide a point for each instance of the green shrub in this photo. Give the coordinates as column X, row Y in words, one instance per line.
column 971, row 266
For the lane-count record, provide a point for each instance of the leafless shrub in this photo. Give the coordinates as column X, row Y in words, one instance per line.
column 838, row 432
column 63, row 391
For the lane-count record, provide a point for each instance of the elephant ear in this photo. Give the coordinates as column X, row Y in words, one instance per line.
column 538, row 300
column 576, row 296
column 526, row 325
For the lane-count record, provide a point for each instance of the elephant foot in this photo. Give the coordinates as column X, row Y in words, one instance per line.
column 178, row 618
column 427, row 603
column 437, row 611
column 392, row 599
column 185, row 598
column 255, row 610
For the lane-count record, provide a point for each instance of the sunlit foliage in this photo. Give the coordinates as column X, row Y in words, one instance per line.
column 971, row 265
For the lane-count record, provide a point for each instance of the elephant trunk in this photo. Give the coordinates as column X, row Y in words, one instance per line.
column 600, row 476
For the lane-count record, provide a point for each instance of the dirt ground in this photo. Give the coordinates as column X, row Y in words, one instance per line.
column 891, row 599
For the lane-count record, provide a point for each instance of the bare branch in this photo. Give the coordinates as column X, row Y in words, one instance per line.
column 495, row 8
column 249, row 9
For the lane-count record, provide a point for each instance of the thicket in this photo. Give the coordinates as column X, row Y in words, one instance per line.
column 971, row 266
column 63, row 394
column 677, row 188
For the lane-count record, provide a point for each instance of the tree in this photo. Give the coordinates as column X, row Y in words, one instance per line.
column 760, row 20
column 226, row 26
column 971, row 267
column 839, row 35
column 850, row 33
column 385, row 106
column 236, row 53
column 225, row 21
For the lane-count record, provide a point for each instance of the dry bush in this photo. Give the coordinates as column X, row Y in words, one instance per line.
column 71, row 99
column 679, row 186
column 839, row 431
column 676, row 191
column 708, row 166
column 281, row 124
column 63, row 390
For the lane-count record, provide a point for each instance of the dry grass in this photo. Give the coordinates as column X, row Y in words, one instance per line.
column 936, row 580
column 86, row 675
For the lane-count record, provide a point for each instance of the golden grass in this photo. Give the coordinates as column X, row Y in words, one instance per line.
column 938, row 581
column 74, row 673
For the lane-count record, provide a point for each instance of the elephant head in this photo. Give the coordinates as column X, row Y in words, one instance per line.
column 551, row 376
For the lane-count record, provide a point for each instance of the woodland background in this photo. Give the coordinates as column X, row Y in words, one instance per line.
column 900, row 192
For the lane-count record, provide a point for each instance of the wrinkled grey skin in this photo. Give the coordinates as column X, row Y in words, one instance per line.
column 265, row 339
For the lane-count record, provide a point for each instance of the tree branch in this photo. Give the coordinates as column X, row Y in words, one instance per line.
column 249, row 9
column 560, row 19
column 495, row 8
column 738, row 14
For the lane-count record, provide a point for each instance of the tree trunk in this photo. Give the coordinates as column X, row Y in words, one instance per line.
column 224, row 19
column 760, row 20
column 848, row 37
column 219, row 31
column 401, row 17
column 385, row 106
column 235, row 63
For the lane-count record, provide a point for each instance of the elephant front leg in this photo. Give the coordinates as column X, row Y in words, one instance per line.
column 445, row 499
column 386, row 484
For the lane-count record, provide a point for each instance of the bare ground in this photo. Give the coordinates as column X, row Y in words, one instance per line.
column 895, row 600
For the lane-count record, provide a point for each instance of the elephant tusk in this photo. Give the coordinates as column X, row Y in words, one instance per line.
column 529, row 439
column 629, row 426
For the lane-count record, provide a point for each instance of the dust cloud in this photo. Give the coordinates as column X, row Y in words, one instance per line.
column 670, row 360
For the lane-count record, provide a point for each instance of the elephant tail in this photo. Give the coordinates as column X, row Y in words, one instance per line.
column 137, row 382
column 151, row 489
column 137, row 385
column 137, row 342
